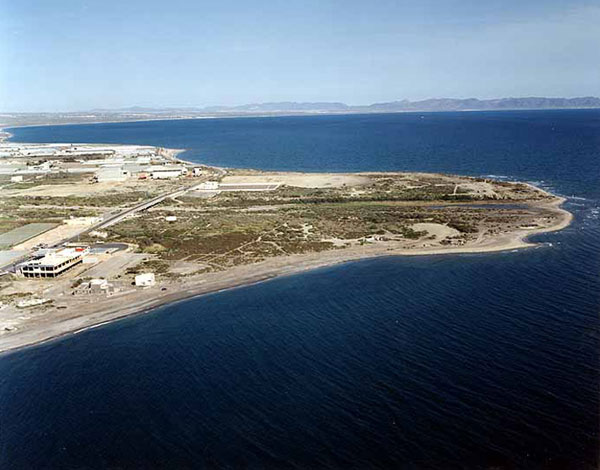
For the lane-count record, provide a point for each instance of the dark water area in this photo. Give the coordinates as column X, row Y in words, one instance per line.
column 463, row 361
column 534, row 145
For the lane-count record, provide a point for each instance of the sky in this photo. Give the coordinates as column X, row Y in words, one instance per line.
column 74, row 55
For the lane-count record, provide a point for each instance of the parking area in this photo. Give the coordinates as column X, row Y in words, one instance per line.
column 114, row 265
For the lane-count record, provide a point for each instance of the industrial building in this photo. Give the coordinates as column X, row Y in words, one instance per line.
column 53, row 264
column 166, row 171
column 111, row 174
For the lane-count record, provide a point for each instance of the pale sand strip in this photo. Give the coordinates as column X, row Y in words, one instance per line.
column 143, row 301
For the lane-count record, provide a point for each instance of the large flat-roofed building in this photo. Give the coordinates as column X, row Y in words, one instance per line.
column 111, row 174
column 53, row 264
column 165, row 172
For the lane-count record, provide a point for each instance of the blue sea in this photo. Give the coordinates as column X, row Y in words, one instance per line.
column 487, row 361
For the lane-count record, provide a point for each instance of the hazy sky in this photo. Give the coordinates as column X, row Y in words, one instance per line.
column 77, row 54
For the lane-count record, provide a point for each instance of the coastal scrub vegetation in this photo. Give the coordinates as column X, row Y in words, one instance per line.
column 236, row 228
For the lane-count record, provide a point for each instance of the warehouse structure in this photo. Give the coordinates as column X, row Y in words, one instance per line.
column 111, row 174
column 165, row 171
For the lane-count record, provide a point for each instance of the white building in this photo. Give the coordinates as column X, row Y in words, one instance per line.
column 53, row 264
column 111, row 174
column 165, row 172
column 145, row 280
column 16, row 179
column 97, row 234
column 96, row 286
column 116, row 161
column 42, row 167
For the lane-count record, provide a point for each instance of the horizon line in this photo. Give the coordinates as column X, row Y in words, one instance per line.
column 236, row 107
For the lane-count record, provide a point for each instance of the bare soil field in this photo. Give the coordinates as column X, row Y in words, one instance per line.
column 300, row 180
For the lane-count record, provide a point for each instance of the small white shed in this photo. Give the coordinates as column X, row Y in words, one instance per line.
column 145, row 280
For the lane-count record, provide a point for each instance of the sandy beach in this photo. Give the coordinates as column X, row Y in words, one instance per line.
column 137, row 302
column 69, row 315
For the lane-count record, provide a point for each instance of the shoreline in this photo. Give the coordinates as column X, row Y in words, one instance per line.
column 252, row 274
column 3, row 127
column 140, row 302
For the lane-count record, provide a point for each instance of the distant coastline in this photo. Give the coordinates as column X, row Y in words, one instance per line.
column 291, row 108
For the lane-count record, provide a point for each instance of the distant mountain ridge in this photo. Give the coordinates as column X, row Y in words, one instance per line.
column 141, row 113
column 474, row 104
column 433, row 104
column 281, row 106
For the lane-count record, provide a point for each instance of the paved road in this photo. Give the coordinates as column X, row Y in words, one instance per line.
column 116, row 218
column 111, row 220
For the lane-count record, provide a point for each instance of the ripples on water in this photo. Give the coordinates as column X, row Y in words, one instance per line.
column 470, row 361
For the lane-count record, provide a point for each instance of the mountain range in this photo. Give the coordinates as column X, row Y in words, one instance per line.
column 139, row 113
column 434, row 104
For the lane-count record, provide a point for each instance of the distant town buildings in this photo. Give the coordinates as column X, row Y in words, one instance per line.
column 109, row 164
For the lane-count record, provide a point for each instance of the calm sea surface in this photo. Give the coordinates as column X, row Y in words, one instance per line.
column 468, row 361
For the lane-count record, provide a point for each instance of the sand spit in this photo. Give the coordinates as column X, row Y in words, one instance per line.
column 68, row 314
column 101, row 312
